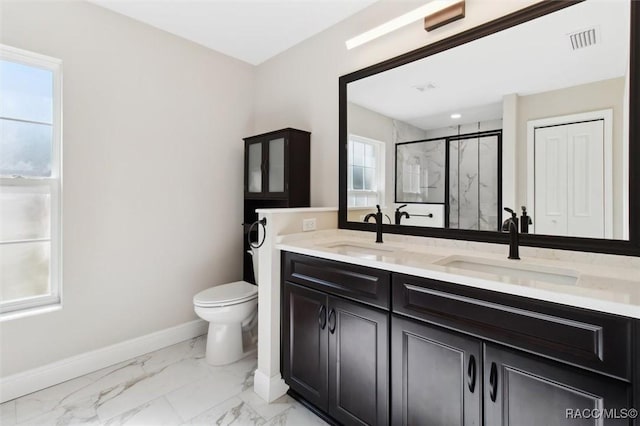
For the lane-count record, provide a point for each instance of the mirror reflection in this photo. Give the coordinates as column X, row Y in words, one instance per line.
column 532, row 118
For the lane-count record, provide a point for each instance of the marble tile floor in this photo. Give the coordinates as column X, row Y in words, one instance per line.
column 171, row 386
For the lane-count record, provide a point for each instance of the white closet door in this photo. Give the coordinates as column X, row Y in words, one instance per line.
column 550, row 214
column 569, row 180
column 586, row 179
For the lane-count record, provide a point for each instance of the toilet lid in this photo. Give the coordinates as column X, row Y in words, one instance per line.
column 235, row 292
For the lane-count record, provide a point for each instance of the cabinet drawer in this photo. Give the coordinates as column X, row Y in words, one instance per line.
column 588, row 339
column 366, row 285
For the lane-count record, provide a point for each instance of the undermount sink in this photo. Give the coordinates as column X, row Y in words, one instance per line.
column 512, row 269
column 362, row 251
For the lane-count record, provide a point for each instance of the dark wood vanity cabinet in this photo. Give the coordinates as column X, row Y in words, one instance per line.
column 305, row 343
column 369, row 347
column 436, row 376
column 521, row 389
column 442, row 377
column 532, row 362
column 335, row 350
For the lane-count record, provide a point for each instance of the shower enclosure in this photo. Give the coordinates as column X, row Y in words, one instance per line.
column 461, row 172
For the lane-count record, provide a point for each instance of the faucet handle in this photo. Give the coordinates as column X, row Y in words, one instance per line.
column 378, row 207
column 513, row 214
column 401, row 207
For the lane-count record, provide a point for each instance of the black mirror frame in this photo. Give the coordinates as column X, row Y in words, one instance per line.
column 629, row 247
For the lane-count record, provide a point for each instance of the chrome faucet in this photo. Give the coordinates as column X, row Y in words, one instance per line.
column 378, row 217
column 400, row 214
column 511, row 225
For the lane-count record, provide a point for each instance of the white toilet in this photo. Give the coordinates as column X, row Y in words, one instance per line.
column 228, row 308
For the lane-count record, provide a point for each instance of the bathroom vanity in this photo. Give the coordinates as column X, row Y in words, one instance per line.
column 398, row 334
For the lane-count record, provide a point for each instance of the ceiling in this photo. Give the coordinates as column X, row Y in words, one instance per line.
column 530, row 58
column 250, row 30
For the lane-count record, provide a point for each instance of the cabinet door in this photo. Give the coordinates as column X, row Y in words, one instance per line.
column 276, row 182
column 305, row 343
column 526, row 390
column 253, row 168
column 436, row 375
column 358, row 363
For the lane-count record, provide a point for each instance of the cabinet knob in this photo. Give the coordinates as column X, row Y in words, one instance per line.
column 322, row 317
column 332, row 321
column 493, row 381
column 471, row 374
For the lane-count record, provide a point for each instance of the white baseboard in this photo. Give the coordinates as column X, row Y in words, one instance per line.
column 269, row 388
column 14, row 386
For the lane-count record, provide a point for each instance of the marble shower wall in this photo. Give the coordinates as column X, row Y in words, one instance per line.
column 420, row 172
column 404, row 132
column 473, row 183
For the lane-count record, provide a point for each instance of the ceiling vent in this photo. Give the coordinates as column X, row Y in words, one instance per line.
column 584, row 38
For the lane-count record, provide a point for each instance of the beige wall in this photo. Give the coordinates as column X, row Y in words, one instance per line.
column 299, row 87
column 153, row 129
column 573, row 100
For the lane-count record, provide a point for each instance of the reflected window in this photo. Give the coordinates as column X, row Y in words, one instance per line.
column 30, row 125
column 365, row 171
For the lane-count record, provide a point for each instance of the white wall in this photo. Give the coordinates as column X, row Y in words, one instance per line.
column 299, row 87
column 153, row 151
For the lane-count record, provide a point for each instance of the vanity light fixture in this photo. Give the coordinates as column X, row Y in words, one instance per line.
column 436, row 13
column 456, row 116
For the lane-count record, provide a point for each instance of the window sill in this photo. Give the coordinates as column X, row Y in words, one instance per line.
column 23, row 313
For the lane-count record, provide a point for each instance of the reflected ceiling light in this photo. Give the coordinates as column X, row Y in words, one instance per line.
column 436, row 13
column 456, row 116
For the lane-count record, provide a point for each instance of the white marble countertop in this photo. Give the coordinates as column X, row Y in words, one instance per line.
column 603, row 283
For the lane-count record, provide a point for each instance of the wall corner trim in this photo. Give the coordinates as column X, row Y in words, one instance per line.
column 29, row 381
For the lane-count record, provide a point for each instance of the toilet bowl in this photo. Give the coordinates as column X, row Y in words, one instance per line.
column 227, row 308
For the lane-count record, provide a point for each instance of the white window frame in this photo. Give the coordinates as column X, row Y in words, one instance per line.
column 52, row 301
column 379, row 175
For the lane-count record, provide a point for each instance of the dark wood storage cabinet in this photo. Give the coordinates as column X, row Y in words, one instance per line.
column 276, row 175
column 277, row 166
column 458, row 355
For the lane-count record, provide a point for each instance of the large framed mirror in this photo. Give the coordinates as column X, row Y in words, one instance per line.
column 536, row 111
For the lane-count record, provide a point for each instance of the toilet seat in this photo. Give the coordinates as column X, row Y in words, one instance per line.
column 226, row 294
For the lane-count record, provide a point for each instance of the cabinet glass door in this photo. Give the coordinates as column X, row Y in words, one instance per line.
column 254, row 168
column 276, row 165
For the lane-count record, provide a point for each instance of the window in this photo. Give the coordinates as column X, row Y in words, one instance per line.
column 30, row 181
column 365, row 172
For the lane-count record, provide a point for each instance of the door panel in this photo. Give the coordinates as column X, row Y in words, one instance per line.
column 358, row 364
column 304, row 343
column 586, row 179
column 550, row 214
column 436, row 375
column 569, row 180
column 523, row 390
